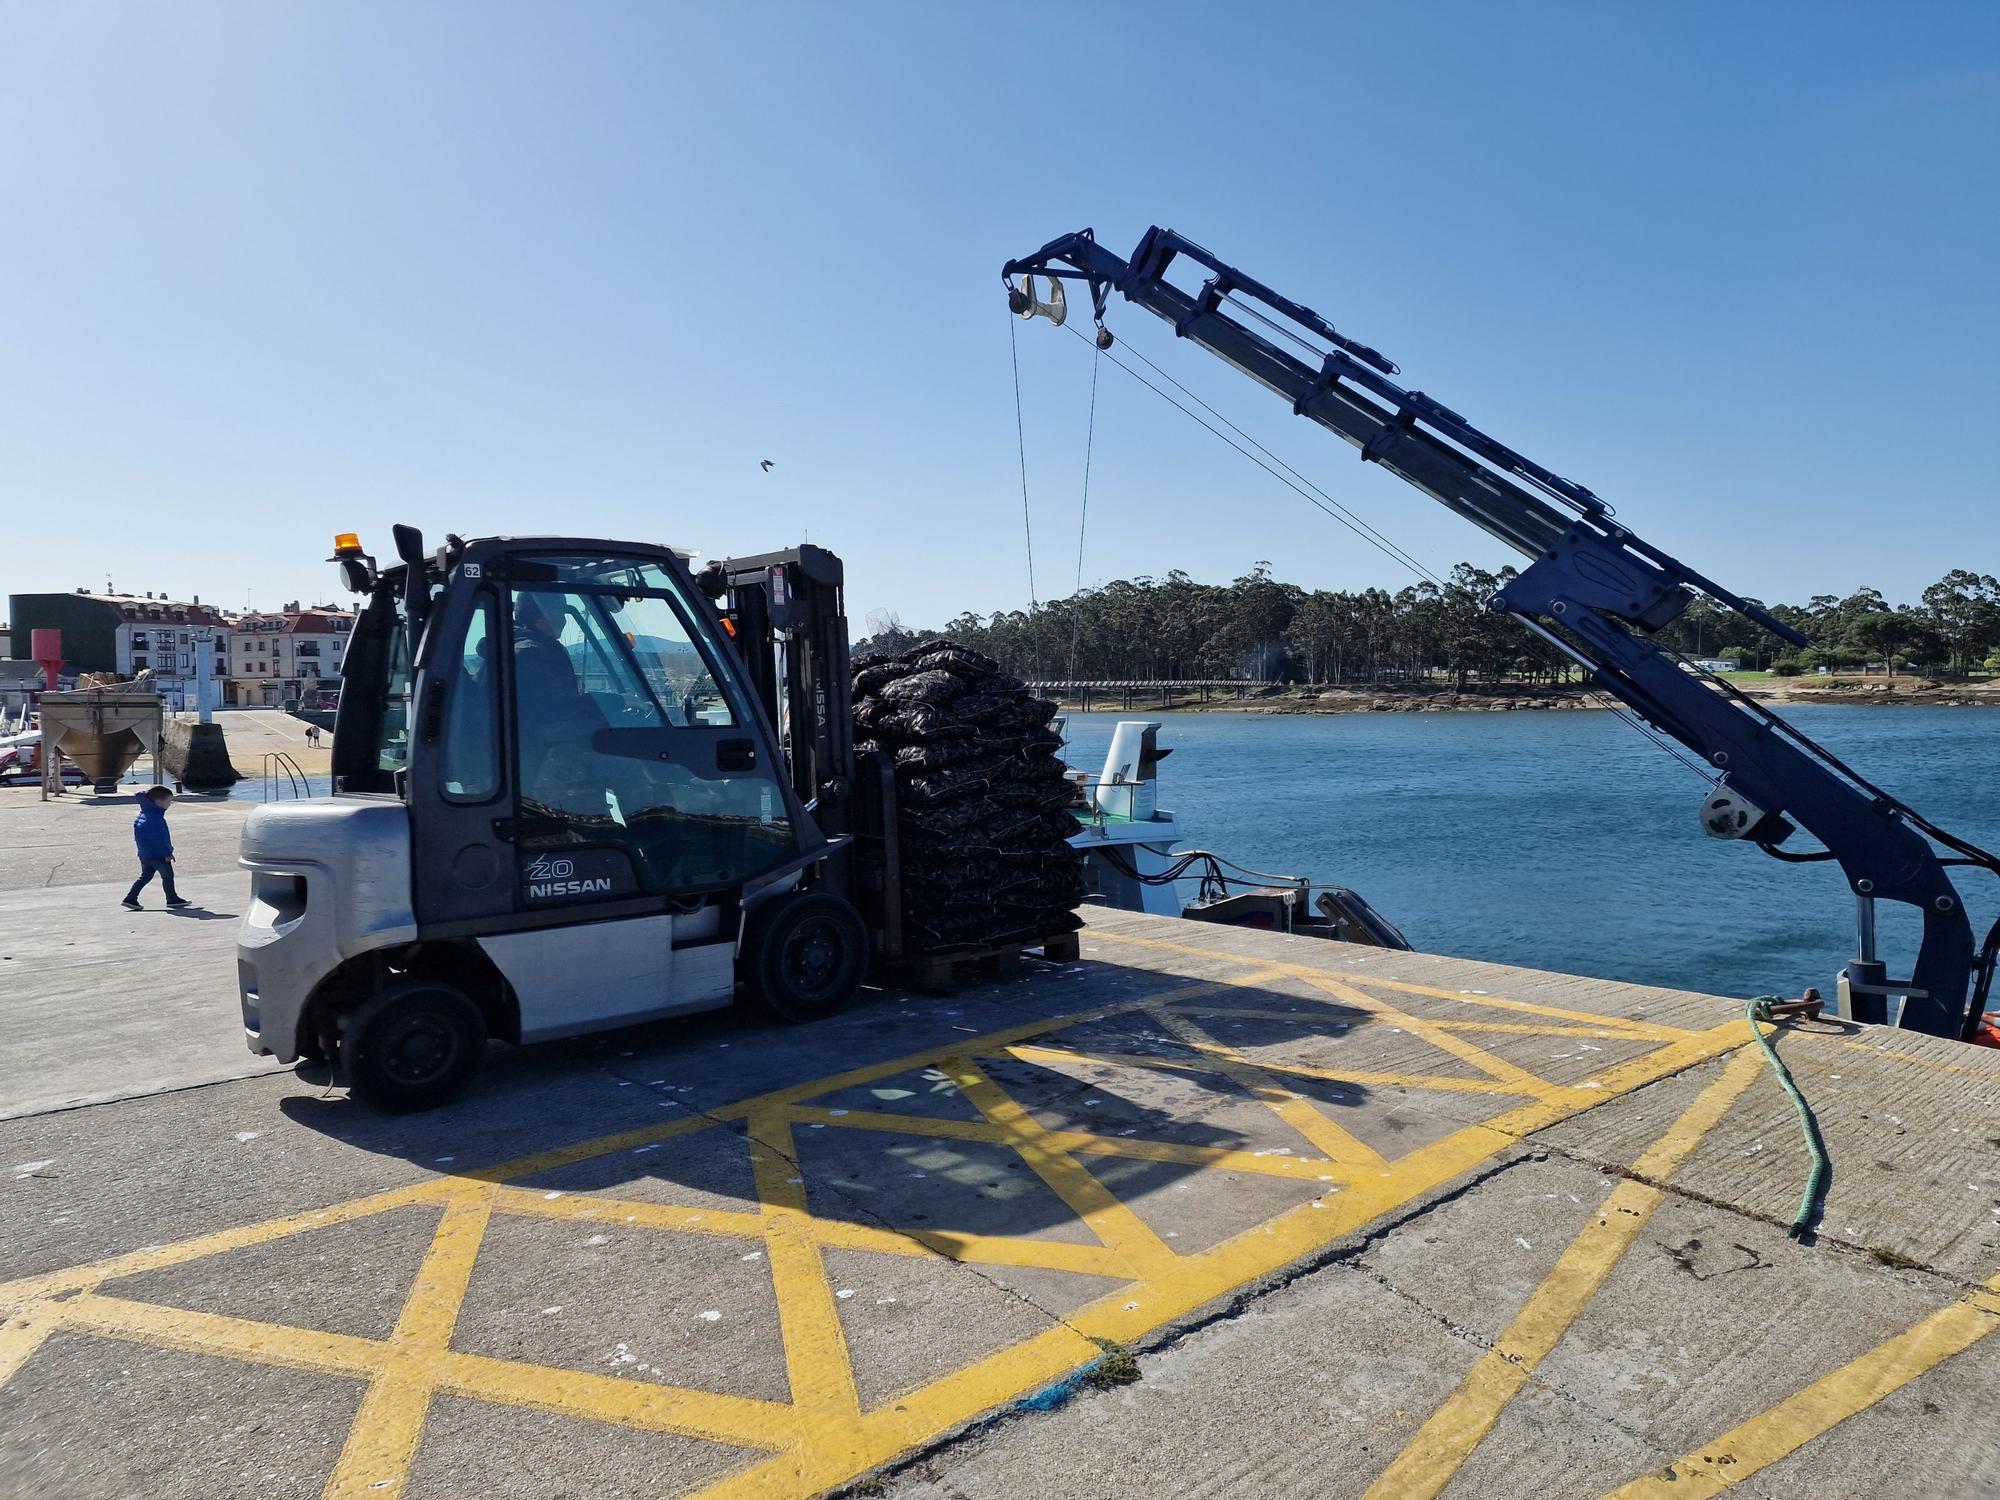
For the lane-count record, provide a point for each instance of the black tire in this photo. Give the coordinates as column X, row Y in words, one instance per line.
column 804, row 955
column 414, row 1044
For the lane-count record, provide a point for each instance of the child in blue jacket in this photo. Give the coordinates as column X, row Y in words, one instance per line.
column 156, row 848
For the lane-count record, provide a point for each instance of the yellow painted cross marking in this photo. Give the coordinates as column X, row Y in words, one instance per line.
column 824, row 1434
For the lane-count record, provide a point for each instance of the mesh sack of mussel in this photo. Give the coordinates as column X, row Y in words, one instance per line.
column 980, row 798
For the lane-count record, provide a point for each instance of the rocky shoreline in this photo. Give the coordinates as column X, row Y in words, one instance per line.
column 1519, row 697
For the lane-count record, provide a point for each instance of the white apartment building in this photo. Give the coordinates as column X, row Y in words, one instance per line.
column 158, row 634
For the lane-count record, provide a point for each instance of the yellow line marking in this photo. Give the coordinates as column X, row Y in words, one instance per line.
column 1233, row 1159
column 832, row 1234
column 1281, row 1070
column 23, row 1333
column 1495, row 1067
column 155, row 1257
column 1444, row 1442
column 603, row 1210
column 1791, row 1424
column 740, row 1420
column 1123, row 1232
column 821, row 1438
column 1650, row 1030
column 382, row 1440
column 1300, row 1113
column 816, row 1356
column 1309, row 1016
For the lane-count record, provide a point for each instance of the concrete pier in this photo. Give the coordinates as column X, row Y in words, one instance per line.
column 1206, row 1213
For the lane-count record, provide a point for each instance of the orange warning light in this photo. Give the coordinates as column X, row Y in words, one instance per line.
column 346, row 541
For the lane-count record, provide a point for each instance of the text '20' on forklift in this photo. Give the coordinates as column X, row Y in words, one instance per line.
column 1594, row 591
column 571, row 794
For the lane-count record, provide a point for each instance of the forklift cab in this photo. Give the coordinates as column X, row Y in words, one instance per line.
column 558, row 807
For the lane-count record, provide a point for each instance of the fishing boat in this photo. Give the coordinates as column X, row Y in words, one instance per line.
column 1134, row 861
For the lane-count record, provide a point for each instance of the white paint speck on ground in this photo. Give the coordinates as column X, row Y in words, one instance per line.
column 550, row 1311
column 844, row 1293
column 441, row 1160
column 27, row 1169
column 556, row 1194
column 1522, row 1243
column 753, row 1255
column 598, row 1239
column 248, row 1135
column 836, row 1111
column 711, row 1316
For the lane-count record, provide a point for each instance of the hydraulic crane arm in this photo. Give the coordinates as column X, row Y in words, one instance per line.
column 1592, row 589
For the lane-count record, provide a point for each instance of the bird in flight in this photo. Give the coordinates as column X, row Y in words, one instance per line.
column 766, row 465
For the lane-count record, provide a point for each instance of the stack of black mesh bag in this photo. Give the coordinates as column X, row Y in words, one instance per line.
column 980, row 798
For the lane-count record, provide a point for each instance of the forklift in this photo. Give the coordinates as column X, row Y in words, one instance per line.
column 575, row 787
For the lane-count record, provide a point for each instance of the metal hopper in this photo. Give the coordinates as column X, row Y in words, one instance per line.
column 102, row 731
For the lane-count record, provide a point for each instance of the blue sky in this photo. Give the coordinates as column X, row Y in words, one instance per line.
column 268, row 271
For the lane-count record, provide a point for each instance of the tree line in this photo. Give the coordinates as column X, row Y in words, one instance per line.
column 1260, row 629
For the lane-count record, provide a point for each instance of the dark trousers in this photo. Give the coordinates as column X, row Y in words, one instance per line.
column 148, row 868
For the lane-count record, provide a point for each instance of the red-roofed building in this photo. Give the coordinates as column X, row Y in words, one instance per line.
column 279, row 655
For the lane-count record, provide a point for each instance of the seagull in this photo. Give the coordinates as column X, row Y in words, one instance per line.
column 765, row 464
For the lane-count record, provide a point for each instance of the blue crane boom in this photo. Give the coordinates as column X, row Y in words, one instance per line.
column 1592, row 589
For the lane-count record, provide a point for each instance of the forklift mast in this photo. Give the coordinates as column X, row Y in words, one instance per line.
column 786, row 614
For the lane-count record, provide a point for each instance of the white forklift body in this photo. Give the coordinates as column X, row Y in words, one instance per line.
column 560, row 807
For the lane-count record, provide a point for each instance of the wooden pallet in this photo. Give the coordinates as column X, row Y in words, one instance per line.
column 938, row 973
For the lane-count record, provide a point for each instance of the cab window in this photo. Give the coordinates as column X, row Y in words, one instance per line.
column 628, row 733
column 471, row 761
column 392, row 732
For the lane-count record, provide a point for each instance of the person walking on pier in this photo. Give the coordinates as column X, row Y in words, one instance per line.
column 156, row 848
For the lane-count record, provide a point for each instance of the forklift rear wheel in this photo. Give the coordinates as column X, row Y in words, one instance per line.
column 805, row 955
column 414, row 1044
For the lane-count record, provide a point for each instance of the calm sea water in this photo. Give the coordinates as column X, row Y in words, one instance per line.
column 1561, row 840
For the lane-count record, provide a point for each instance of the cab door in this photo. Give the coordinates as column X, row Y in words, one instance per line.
column 585, row 750
column 639, row 771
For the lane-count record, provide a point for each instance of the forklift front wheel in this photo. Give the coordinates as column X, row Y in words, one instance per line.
column 805, row 955
column 414, row 1044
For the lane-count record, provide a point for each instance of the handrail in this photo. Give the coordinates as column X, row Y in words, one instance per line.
column 278, row 762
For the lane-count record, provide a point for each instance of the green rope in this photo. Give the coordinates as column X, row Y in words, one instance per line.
column 1760, row 1010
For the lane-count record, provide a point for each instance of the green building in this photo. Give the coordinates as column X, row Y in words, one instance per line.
column 89, row 627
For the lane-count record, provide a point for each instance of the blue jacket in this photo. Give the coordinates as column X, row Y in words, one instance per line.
column 149, row 830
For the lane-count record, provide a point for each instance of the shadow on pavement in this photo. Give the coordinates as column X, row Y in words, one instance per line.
column 569, row 1093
